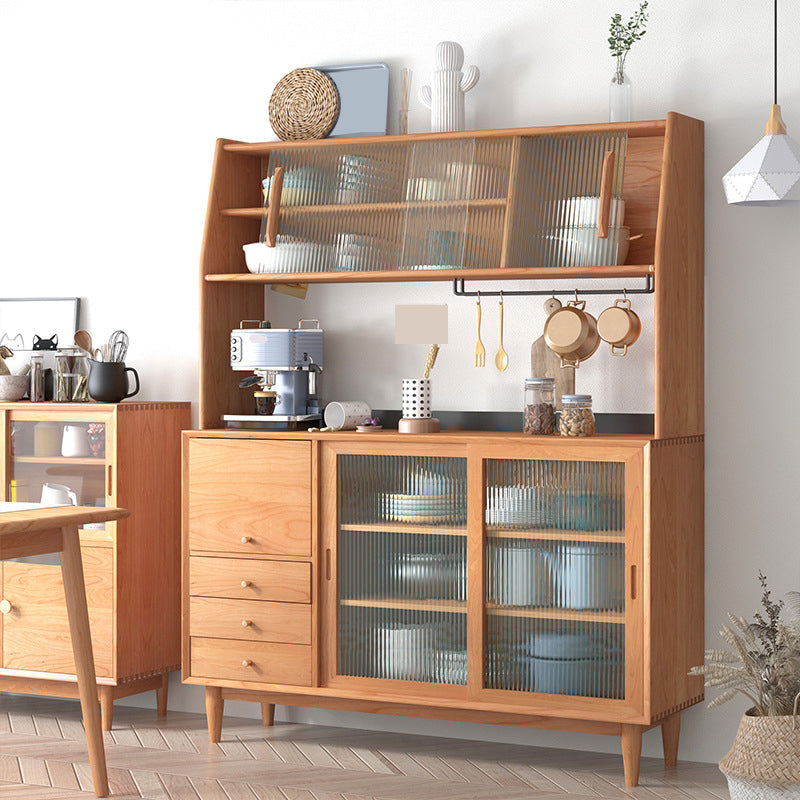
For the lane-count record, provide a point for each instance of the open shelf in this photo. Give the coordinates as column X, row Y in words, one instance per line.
column 444, row 274
column 557, row 614
column 554, row 534
column 398, row 527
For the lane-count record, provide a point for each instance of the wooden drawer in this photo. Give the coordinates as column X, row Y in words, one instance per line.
column 253, row 620
column 263, row 662
column 250, row 579
column 249, row 496
column 36, row 630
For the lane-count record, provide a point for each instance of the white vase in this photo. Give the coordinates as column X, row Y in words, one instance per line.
column 445, row 95
column 620, row 98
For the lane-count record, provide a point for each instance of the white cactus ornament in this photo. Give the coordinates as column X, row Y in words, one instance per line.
column 445, row 96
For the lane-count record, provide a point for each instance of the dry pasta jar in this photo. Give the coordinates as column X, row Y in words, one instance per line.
column 539, row 410
column 576, row 417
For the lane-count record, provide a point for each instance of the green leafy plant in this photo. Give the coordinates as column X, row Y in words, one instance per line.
column 622, row 36
column 763, row 663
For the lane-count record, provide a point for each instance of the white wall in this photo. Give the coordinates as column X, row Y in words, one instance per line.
column 108, row 116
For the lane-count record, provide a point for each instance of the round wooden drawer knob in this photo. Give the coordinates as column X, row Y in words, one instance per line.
column 245, row 584
column 246, row 623
column 247, row 663
column 5, row 606
column 246, row 539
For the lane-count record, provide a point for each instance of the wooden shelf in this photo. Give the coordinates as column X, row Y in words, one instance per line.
column 449, row 274
column 397, row 527
column 369, row 208
column 557, row 614
column 554, row 534
column 58, row 460
column 447, row 606
column 460, row 607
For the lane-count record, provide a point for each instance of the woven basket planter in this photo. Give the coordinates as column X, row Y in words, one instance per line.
column 764, row 762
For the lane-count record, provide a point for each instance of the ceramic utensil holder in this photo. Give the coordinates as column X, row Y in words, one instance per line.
column 346, row 414
column 416, row 398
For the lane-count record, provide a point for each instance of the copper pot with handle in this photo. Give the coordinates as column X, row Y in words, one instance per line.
column 571, row 332
column 620, row 326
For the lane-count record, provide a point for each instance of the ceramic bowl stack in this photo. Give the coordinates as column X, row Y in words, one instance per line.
column 404, row 651
column 356, row 252
column 578, row 663
column 424, row 576
column 362, row 179
column 589, row 576
column 289, row 255
column 517, row 507
column 302, row 186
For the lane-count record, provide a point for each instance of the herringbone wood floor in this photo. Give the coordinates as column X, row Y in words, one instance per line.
column 43, row 757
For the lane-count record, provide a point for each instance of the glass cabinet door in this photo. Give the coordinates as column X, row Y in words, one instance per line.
column 555, row 577
column 401, row 568
column 56, row 460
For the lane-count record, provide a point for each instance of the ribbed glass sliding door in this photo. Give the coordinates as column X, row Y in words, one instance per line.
column 401, row 568
column 555, row 577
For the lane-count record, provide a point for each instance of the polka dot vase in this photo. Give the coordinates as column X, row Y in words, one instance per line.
column 416, row 398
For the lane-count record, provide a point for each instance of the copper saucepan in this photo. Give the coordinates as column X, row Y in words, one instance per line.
column 571, row 332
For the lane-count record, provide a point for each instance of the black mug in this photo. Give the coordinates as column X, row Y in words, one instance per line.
column 108, row 382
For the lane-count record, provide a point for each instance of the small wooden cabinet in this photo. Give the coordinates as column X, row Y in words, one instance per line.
column 124, row 455
column 501, row 578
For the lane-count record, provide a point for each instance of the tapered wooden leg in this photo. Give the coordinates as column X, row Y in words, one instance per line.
column 161, row 695
column 267, row 713
column 670, row 734
column 78, row 615
column 214, row 707
column 631, row 753
column 106, row 706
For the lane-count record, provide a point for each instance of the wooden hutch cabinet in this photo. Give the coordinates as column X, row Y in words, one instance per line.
column 127, row 455
column 492, row 577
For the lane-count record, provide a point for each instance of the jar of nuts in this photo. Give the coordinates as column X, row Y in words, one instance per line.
column 576, row 415
column 539, row 413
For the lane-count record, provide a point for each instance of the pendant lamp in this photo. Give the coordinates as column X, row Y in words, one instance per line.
column 769, row 175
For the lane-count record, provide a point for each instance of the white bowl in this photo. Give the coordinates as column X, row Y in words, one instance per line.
column 12, row 387
column 288, row 255
column 582, row 247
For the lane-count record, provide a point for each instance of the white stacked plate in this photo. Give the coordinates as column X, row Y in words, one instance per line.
column 421, row 508
column 517, row 506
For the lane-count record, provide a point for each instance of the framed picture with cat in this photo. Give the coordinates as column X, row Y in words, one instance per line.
column 38, row 323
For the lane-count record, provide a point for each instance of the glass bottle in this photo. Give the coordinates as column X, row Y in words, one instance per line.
column 576, row 417
column 36, row 390
column 620, row 97
column 539, row 411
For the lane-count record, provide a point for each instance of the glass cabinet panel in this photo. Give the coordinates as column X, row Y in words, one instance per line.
column 57, row 462
column 555, row 577
column 402, row 572
column 409, row 205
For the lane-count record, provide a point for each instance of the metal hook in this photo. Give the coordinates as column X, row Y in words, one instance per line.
column 624, row 293
column 501, row 295
column 479, row 296
column 576, row 295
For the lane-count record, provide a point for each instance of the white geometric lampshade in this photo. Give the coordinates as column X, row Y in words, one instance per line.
column 770, row 173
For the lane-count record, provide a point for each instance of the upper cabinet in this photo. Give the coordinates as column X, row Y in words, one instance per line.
column 622, row 201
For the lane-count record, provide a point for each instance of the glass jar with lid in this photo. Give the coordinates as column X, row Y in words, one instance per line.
column 576, row 417
column 539, row 411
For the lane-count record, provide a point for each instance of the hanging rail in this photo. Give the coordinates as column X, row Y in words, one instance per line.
column 460, row 291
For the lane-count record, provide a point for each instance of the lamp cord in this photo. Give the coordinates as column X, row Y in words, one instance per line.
column 775, row 51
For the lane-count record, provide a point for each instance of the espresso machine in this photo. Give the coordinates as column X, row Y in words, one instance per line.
column 286, row 361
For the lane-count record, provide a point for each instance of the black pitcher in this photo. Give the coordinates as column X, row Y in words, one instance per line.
column 108, row 382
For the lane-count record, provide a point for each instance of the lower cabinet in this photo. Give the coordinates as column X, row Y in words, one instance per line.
column 95, row 454
column 496, row 578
